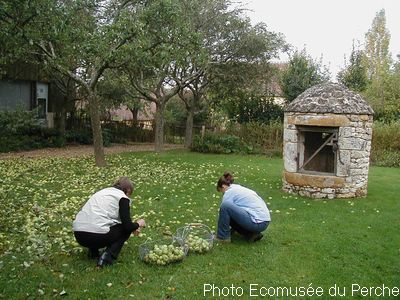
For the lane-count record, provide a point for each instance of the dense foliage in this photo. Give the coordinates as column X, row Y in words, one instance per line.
column 373, row 72
column 220, row 143
column 245, row 108
column 386, row 144
column 265, row 138
column 253, row 137
column 354, row 76
column 302, row 73
column 21, row 130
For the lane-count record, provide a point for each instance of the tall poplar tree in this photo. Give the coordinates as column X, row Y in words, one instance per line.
column 378, row 59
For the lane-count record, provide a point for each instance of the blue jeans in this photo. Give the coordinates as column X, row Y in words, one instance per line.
column 231, row 215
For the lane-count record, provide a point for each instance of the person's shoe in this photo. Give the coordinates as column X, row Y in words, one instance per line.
column 222, row 241
column 255, row 237
column 105, row 260
column 93, row 254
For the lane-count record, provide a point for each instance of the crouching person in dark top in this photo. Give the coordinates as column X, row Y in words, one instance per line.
column 105, row 222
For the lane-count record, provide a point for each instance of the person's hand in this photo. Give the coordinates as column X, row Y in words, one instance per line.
column 141, row 223
column 136, row 232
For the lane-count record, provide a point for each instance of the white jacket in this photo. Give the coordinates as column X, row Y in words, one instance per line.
column 100, row 212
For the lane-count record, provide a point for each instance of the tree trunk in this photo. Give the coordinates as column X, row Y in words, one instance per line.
column 159, row 131
column 135, row 114
column 189, row 127
column 96, row 130
column 63, row 116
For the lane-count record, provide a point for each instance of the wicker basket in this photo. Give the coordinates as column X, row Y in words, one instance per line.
column 198, row 237
column 162, row 252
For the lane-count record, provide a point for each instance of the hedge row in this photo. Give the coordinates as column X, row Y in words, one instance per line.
column 267, row 139
column 20, row 131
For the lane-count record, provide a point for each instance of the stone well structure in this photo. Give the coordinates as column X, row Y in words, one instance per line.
column 327, row 143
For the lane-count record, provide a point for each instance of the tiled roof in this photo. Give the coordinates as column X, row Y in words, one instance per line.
column 329, row 98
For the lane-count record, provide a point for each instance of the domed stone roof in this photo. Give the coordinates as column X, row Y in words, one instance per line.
column 329, row 98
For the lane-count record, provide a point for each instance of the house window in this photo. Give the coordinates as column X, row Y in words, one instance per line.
column 317, row 149
column 15, row 95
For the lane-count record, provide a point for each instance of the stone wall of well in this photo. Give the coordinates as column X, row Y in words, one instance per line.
column 354, row 147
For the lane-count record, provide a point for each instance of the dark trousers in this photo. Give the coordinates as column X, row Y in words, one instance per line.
column 113, row 240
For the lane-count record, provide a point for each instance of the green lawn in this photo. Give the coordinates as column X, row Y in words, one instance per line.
column 310, row 243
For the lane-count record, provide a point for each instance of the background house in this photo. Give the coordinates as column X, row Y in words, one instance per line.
column 144, row 117
column 25, row 87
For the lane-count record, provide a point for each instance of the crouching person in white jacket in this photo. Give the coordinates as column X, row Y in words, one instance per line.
column 105, row 222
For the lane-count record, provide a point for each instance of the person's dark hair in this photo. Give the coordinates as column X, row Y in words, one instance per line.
column 227, row 179
column 124, row 184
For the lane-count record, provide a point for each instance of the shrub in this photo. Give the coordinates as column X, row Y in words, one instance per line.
column 84, row 136
column 266, row 138
column 251, row 137
column 220, row 143
column 20, row 130
column 385, row 158
column 107, row 137
column 79, row 136
column 18, row 122
column 41, row 139
column 51, row 137
column 385, row 150
column 386, row 136
column 122, row 133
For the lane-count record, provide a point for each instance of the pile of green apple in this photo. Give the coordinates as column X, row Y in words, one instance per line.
column 197, row 244
column 164, row 254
